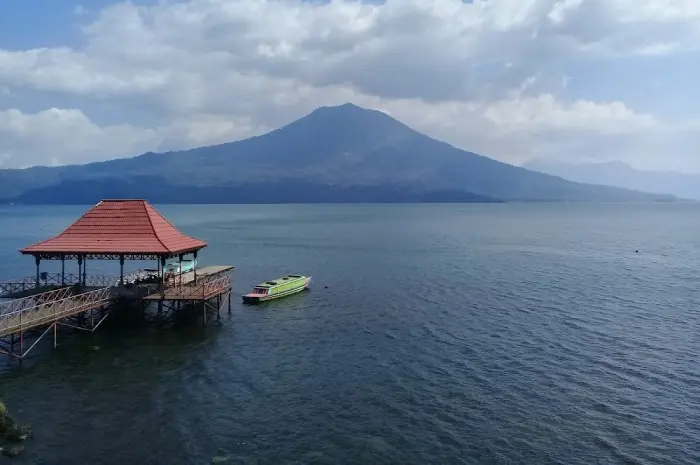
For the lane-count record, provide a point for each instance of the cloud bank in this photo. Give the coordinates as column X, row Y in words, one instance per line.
column 576, row 80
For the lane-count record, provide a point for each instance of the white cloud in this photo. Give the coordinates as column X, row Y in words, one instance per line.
column 46, row 137
column 660, row 48
column 493, row 76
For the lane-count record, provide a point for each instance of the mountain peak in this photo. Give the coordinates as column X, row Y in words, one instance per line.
column 349, row 121
column 347, row 106
column 347, row 109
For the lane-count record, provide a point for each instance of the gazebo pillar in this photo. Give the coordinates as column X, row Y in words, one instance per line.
column 63, row 269
column 121, row 270
column 195, row 266
column 180, row 257
column 162, row 280
column 80, row 269
column 37, row 260
column 84, row 272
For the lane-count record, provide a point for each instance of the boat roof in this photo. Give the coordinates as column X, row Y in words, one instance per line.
column 282, row 280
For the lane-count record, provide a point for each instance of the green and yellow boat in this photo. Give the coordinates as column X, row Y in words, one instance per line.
column 277, row 288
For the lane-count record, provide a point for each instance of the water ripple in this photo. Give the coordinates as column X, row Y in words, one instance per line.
column 449, row 334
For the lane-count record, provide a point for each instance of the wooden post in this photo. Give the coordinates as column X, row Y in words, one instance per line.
column 180, row 284
column 195, row 267
column 63, row 270
column 84, row 272
column 229, row 302
column 162, row 281
column 37, row 260
column 121, row 270
column 80, row 268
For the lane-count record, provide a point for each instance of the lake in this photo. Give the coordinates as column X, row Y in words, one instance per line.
column 484, row 334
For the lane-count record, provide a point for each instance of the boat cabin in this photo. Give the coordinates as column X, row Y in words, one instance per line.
column 174, row 266
column 279, row 285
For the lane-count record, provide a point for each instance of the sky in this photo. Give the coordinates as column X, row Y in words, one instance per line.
column 565, row 80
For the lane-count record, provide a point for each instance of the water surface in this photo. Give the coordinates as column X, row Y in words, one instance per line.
column 514, row 334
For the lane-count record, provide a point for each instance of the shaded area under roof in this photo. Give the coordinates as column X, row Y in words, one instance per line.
column 119, row 227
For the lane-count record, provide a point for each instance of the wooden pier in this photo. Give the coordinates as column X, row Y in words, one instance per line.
column 113, row 229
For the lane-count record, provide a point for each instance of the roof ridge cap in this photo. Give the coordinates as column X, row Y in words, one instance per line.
column 145, row 205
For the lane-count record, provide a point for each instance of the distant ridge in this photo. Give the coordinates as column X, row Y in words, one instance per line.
column 339, row 153
column 619, row 174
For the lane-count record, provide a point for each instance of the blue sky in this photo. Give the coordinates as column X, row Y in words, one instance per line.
column 27, row 24
column 569, row 80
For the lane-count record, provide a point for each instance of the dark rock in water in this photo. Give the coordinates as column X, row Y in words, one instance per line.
column 221, row 457
column 19, row 433
column 10, row 431
column 12, row 451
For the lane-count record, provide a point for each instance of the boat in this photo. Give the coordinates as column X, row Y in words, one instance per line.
column 145, row 276
column 277, row 288
column 173, row 268
column 148, row 276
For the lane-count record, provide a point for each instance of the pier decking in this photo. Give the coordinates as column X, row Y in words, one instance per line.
column 113, row 229
column 210, row 280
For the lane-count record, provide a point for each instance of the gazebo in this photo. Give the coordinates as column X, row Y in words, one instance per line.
column 116, row 229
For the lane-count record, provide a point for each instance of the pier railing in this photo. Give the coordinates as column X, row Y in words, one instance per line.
column 21, row 314
column 28, row 283
column 18, row 305
column 17, row 286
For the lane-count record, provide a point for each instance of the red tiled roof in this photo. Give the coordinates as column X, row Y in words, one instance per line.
column 119, row 227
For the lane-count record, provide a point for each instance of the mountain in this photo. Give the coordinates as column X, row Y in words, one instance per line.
column 334, row 154
column 620, row 174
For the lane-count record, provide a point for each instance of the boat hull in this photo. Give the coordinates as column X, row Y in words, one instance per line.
column 259, row 298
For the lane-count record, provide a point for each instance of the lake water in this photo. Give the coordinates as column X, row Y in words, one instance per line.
column 485, row 334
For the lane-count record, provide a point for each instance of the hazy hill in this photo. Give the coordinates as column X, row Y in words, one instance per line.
column 339, row 154
column 620, row 174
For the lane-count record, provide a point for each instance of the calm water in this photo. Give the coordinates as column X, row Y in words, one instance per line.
column 513, row 334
